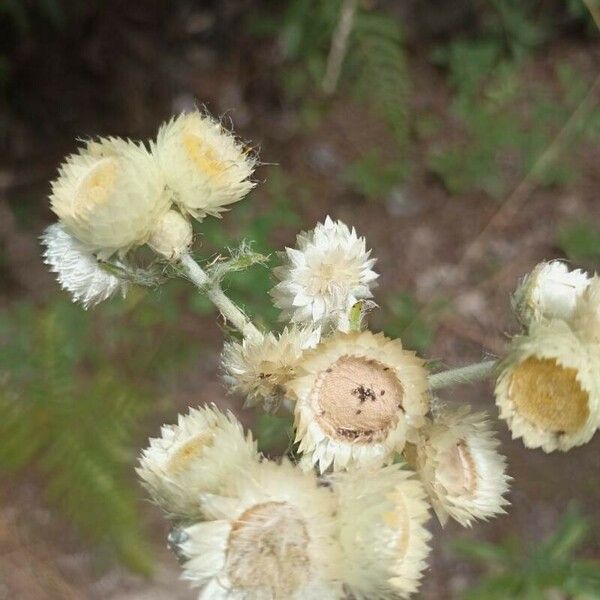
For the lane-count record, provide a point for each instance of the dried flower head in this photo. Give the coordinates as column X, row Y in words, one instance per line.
column 550, row 291
column 585, row 320
column 381, row 523
column 77, row 269
column 109, row 195
column 321, row 279
column 457, row 460
column 357, row 394
column 272, row 538
column 548, row 388
column 205, row 166
column 201, row 454
column 171, row 236
column 260, row 368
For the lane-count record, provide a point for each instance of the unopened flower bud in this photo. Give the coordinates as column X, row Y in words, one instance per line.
column 172, row 236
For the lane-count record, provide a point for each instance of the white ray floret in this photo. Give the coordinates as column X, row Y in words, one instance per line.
column 325, row 275
column 203, row 453
column 548, row 390
column 260, row 368
column 205, row 166
column 77, row 269
column 550, row 291
column 109, row 195
column 456, row 458
column 273, row 538
column 357, row 396
column 381, row 523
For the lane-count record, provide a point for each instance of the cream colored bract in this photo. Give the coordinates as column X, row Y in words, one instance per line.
column 109, row 196
column 457, row 460
column 357, row 395
column 260, row 369
column 203, row 453
column 273, row 537
column 205, row 167
column 548, row 389
column 381, row 518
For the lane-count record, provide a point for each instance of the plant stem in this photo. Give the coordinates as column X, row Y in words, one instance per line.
column 228, row 309
column 339, row 46
column 462, row 375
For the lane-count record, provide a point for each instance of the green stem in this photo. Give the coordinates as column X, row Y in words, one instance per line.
column 228, row 309
column 462, row 375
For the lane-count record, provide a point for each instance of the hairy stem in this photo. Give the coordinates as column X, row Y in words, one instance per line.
column 228, row 309
column 462, row 375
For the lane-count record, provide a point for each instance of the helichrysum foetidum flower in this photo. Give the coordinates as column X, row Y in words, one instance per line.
column 457, row 460
column 77, row 269
column 328, row 272
column 272, row 538
column 356, row 396
column 201, row 454
column 172, row 235
column 260, row 368
column 205, row 166
column 110, row 195
column 548, row 390
column 381, row 527
column 550, row 291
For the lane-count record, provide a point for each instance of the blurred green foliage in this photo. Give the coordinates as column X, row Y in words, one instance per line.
column 274, row 433
column 547, row 570
column 412, row 322
column 581, row 242
column 71, row 409
column 372, row 177
column 375, row 66
column 506, row 123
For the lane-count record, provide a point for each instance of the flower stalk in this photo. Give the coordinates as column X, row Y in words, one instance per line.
column 228, row 309
column 462, row 375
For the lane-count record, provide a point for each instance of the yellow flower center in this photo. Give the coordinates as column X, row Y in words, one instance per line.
column 549, row 395
column 357, row 399
column 203, row 156
column 267, row 550
column 97, row 185
column 457, row 471
column 189, row 451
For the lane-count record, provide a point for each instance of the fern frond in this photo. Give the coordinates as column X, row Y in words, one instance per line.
column 377, row 56
column 75, row 429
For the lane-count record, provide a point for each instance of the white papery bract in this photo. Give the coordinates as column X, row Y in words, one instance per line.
column 381, row 526
column 205, row 166
column 357, row 396
column 321, row 279
column 260, row 368
column 550, row 291
column 548, row 390
column 457, row 460
column 109, row 195
column 77, row 269
column 272, row 538
column 203, row 453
